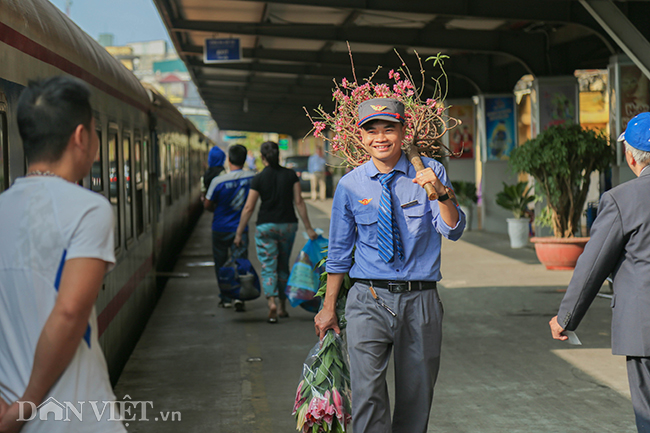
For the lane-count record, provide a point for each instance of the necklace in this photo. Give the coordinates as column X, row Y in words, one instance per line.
column 42, row 173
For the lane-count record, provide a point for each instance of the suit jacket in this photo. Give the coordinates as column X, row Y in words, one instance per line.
column 619, row 245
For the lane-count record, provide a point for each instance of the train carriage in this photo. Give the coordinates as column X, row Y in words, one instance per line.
column 146, row 167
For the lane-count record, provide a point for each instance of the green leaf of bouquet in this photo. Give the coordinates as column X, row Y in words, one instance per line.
column 329, row 359
column 320, row 376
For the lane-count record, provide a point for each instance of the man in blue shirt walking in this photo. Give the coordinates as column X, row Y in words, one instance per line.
column 226, row 197
column 381, row 209
column 316, row 167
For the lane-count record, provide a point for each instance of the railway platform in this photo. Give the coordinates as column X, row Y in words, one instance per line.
column 208, row 369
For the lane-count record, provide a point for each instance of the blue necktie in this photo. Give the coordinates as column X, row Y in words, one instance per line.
column 388, row 238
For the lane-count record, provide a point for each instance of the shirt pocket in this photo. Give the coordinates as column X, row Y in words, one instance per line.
column 366, row 221
column 417, row 219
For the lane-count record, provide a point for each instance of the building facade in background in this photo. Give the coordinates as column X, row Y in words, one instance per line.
column 154, row 63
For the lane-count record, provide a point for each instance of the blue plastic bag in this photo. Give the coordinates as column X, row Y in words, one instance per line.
column 304, row 280
column 238, row 280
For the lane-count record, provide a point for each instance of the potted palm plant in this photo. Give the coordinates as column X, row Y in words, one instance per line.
column 516, row 198
column 467, row 198
column 562, row 159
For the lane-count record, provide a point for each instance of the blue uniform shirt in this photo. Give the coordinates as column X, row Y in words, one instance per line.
column 354, row 223
column 229, row 192
column 316, row 163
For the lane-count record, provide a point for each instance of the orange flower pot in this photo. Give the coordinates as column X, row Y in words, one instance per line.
column 559, row 254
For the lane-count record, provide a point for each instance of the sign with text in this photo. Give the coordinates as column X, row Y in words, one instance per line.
column 222, row 50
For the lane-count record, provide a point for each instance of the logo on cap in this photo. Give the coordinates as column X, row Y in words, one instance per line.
column 378, row 107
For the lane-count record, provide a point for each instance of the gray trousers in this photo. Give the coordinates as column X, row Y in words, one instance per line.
column 638, row 374
column 415, row 335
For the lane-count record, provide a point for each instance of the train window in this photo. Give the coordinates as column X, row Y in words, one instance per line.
column 176, row 174
column 3, row 152
column 170, row 186
column 114, row 182
column 183, row 170
column 138, row 162
column 128, row 188
column 139, row 187
column 146, row 179
column 97, row 171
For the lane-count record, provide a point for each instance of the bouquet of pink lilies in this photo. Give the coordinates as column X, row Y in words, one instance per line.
column 323, row 396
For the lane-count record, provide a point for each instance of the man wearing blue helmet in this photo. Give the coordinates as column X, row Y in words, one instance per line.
column 619, row 246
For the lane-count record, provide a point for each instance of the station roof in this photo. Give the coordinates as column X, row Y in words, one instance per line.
column 293, row 49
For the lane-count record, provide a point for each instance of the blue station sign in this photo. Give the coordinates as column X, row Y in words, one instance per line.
column 222, row 50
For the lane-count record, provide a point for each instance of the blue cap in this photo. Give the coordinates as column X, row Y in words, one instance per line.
column 637, row 133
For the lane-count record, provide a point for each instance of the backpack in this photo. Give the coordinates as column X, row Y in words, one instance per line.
column 210, row 174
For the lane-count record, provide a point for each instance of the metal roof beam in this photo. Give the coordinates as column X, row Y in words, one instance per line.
column 321, row 84
column 277, row 98
column 619, row 27
column 299, row 91
column 473, row 68
column 522, row 46
column 561, row 11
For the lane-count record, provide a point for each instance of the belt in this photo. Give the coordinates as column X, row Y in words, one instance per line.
column 400, row 286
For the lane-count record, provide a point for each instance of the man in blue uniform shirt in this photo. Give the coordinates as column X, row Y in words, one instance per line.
column 226, row 197
column 316, row 167
column 381, row 209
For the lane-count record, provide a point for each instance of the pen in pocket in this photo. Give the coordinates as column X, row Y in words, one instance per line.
column 381, row 302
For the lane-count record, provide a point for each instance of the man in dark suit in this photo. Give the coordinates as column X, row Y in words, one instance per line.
column 619, row 245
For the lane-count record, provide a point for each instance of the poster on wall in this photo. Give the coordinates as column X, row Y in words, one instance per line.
column 500, row 127
column 461, row 138
column 557, row 105
column 634, row 93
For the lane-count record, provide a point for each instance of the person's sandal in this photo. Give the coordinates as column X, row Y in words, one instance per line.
column 273, row 315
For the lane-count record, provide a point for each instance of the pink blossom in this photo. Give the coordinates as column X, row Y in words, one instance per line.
column 382, row 91
column 391, row 73
column 338, row 403
column 318, row 128
column 396, row 76
column 440, row 109
column 298, row 401
column 344, row 83
column 314, row 414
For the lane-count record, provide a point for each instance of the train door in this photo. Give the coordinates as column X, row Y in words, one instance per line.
column 114, row 181
column 4, row 148
column 138, row 180
column 128, row 187
column 152, row 152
